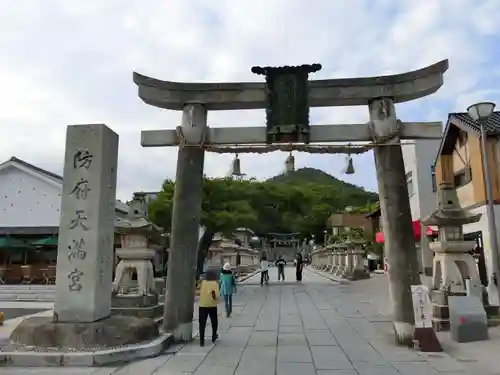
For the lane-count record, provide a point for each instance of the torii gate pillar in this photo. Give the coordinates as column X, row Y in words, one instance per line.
column 396, row 215
column 186, row 210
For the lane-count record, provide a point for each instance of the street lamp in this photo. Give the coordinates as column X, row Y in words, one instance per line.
column 481, row 112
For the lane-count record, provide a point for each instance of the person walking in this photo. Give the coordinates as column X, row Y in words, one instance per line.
column 209, row 300
column 280, row 263
column 264, row 270
column 227, row 287
column 299, row 267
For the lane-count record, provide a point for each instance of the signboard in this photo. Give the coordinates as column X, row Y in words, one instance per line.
column 287, row 107
column 422, row 307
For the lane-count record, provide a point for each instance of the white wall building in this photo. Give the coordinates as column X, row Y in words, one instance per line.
column 419, row 158
column 30, row 199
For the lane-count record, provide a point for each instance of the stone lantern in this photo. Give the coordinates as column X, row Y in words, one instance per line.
column 134, row 286
column 336, row 258
column 331, row 257
column 452, row 264
column 355, row 269
column 342, row 258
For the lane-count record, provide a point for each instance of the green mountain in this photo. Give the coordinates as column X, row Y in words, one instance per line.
column 355, row 195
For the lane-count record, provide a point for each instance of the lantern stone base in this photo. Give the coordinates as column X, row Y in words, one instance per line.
column 440, row 309
column 441, row 312
column 357, row 274
column 146, row 306
column 134, row 300
column 111, row 332
column 340, row 271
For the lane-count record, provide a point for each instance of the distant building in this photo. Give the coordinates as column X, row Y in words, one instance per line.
column 150, row 195
column 344, row 221
column 30, row 208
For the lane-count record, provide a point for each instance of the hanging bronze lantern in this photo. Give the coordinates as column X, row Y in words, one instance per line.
column 236, row 171
column 349, row 169
column 290, row 163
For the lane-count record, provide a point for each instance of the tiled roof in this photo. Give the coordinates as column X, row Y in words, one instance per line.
column 492, row 127
column 120, row 206
column 37, row 169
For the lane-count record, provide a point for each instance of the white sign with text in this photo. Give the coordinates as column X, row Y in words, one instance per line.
column 422, row 307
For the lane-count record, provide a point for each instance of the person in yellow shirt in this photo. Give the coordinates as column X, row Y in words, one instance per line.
column 209, row 300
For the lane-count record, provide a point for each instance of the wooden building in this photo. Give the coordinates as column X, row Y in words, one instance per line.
column 459, row 160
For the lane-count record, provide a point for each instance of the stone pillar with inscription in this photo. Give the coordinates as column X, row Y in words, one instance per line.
column 86, row 231
column 82, row 316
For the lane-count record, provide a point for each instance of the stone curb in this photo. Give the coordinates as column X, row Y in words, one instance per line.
column 87, row 359
column 250, row 275
column 338, row 280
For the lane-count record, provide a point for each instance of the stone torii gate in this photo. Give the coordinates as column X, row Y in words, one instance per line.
column 287, row 95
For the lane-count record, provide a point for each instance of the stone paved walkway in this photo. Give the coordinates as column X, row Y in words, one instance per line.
column 316, row 327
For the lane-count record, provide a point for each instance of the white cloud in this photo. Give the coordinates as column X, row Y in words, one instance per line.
column 67, row 61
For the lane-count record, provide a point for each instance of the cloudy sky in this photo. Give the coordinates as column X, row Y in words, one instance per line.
column 71, row 62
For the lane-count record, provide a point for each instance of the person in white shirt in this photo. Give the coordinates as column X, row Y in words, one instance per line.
column 264, row 270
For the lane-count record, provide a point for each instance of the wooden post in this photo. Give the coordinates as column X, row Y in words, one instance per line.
column 397, row 221
column 181, row 283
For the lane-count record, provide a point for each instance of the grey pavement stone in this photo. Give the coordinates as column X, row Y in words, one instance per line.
column 214, row 370
column 181, row 363
column 224, row 356
column 294, row 354
column 236, row 337
column 147, row 366
column 290, row 320
column 291, row 339
column 291, row 329
column 330, row 358
column 288, row 368
column 363, row 353
column 314, row 328
column 257, row 360
column 445, row 364
column 57, row 371
column 415, row 368
column 263, row 338
column 396, row 353
column 367, row 369
column 320, row 337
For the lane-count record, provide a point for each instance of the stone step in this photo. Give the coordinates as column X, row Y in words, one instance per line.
column 25, row 293
column 28, row 298
column 26, row 287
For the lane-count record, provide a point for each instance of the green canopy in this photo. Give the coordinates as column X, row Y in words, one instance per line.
column 10, row 242
column 48, row 241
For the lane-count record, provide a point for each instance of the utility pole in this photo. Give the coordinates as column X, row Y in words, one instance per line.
column 182, row 264
column 481, row 113
column 396, row 216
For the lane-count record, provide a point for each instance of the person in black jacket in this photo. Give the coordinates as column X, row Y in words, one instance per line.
column 299, row 266
column 280, row 263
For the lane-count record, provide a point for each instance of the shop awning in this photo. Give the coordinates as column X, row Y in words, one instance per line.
column 47, row 241
column 417, row 232
column 8, row 242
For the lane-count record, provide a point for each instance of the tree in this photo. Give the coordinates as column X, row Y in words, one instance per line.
column 224, row 208
column 273, row 206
